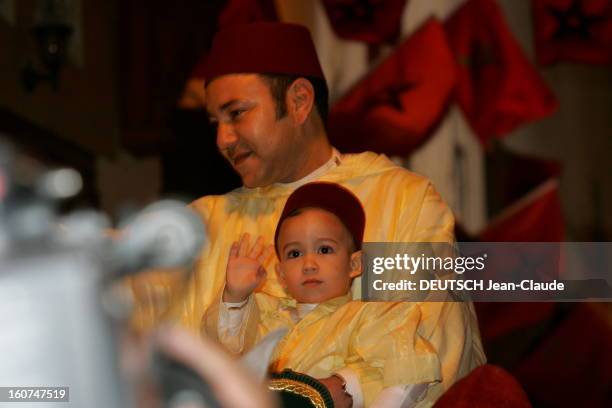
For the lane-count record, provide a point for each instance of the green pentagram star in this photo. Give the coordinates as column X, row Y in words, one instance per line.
column 390, row 96
column 359, row 11
column 573, row 22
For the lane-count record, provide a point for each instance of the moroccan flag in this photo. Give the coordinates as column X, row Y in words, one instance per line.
column 395, row 107
column 512, row 175
column 573, row 30
column 535, row 218
column 371, row 21
column 498, row 89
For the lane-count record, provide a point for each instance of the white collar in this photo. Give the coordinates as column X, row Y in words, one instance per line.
column 334, row 161
column 303, row 309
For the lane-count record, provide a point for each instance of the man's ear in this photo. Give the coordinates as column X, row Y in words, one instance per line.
column 280, row 275
column 300, row 100
column 356, row 266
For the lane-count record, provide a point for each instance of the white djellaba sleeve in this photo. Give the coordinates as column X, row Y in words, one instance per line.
column 232, row 318
column 399, row 396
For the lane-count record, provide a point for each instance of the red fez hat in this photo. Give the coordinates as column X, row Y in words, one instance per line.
column 263, row 48
column 329, row 197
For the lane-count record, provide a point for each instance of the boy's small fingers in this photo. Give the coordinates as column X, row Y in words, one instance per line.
column 256, row 250
column 265, row 254
column 261, row 272
column 234, row 249
column 244, row 244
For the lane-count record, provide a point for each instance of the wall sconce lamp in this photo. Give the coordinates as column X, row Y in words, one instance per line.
column 52, row 36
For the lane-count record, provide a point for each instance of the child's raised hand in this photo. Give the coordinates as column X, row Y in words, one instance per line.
column 245, row 269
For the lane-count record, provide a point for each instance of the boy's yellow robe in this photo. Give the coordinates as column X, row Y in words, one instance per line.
column 384, row 343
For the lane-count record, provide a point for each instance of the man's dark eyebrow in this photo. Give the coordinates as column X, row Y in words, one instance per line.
column 227, row 104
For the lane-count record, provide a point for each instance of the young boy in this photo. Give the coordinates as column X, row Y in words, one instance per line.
column 374, row 349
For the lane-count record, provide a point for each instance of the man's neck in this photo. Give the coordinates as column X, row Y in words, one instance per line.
column 310, row 155
column 316, row 155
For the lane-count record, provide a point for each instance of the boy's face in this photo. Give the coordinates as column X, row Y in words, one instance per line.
column 316, row 258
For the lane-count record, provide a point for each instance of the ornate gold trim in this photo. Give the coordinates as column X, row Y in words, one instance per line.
column 299, row 388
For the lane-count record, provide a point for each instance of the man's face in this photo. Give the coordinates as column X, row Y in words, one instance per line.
column 261, row 148
column 316, row 258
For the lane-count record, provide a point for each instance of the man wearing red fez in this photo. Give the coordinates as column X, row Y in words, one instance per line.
column 266, row 93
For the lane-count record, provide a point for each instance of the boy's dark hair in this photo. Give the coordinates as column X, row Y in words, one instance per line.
column 279, row 84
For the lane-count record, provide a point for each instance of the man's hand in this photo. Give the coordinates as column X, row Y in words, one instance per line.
column 336, row 389
column 245, row 269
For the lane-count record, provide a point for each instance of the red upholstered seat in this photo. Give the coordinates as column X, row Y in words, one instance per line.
column 571, row 367
column 486, row 386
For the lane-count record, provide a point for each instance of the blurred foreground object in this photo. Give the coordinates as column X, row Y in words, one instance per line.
column 231, row 384
column 50, row 289
column 56, row 280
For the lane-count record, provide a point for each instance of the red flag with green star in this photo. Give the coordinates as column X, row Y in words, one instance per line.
column 573, row 30
column 371, row 21
column 498, row 89
column 396, row 106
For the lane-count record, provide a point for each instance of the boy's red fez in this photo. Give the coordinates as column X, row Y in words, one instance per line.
column 329, row 197
column 263, row 48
